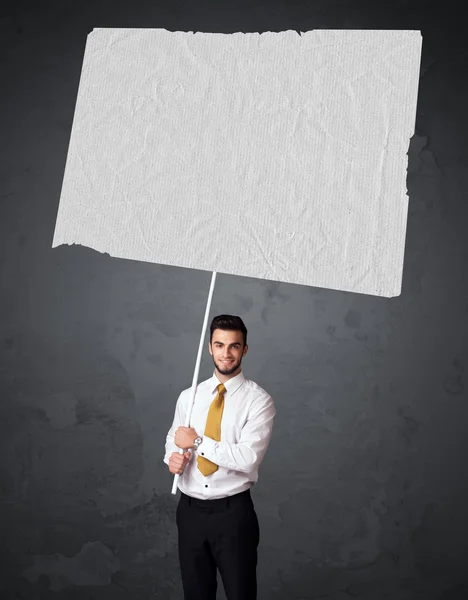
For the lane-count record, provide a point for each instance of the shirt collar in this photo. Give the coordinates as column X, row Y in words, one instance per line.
column 231, row 385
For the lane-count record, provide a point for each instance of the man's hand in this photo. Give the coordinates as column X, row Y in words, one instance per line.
column 184, row 437
column 178, row 461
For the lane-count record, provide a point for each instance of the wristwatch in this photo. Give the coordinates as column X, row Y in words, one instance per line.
column 197, row 442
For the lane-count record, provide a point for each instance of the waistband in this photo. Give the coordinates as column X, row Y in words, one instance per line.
column 218, row 502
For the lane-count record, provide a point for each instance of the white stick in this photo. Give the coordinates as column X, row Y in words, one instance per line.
column 197, row 368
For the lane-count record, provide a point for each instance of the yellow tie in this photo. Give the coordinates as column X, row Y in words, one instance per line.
column 213, row 430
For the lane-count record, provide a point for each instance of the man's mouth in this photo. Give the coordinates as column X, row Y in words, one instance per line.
column 227, row 362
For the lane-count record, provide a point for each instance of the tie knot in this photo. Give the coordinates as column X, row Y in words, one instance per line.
column 221, row 388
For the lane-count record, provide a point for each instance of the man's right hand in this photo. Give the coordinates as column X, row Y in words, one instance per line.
column 178, row 461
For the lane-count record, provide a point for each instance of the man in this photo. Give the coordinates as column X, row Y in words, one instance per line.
column 232, row 422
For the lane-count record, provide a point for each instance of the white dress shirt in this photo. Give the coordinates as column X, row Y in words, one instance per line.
column 246, row 428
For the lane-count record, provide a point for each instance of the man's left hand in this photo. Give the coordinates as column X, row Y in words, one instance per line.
column 184, row 437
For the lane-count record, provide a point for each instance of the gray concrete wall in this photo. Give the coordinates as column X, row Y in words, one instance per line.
column 364, row 489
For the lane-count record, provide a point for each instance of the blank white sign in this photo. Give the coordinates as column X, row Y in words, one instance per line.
column 277, row 156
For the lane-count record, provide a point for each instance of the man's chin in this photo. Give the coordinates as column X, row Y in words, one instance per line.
column 226, row 370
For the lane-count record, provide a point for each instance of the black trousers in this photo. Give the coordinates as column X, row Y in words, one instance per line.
column 221, row 534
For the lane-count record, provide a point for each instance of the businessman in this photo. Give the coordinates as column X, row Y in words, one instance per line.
column 231, row 426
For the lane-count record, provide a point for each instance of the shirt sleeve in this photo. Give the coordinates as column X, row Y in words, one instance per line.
column 247, row 454
column 179, row 418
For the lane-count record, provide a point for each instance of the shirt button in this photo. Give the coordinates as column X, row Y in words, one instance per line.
column 206, row 486
column 203, row 454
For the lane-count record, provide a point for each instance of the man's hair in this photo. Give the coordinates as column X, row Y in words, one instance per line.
column 228, row 323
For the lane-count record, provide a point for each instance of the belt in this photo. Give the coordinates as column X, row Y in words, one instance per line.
column 216, row 503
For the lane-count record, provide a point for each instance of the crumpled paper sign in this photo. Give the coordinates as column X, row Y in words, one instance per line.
column 276, row 156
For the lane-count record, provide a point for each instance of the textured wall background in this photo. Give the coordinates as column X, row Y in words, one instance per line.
column 363, row 492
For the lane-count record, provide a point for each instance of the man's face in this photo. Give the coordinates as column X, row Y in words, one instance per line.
column 227, row 346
